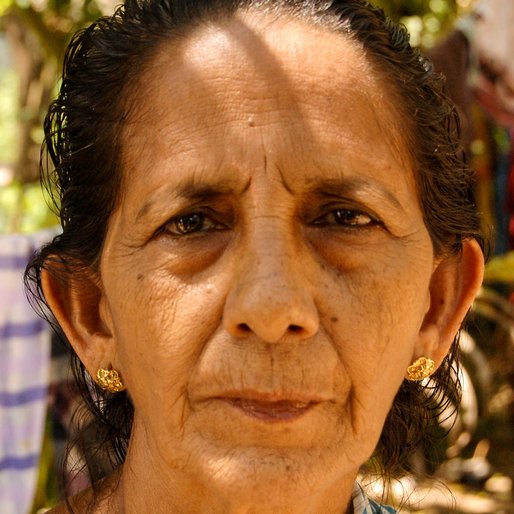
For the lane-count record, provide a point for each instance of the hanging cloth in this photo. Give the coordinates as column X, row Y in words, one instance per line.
column 24, row 376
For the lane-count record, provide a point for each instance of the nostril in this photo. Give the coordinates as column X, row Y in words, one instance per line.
column 243, row 327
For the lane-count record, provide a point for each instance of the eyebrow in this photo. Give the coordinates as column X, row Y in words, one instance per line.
column 350, row 187
column 190, row 189
column 193, row 190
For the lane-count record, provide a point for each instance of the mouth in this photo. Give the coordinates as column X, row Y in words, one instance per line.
column 271, row 411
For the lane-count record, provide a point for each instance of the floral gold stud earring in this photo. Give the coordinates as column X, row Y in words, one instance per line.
column 109, row 380
column 420, row 369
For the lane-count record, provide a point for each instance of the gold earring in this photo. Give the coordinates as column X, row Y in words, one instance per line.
column 109, row 380
column 420, row 369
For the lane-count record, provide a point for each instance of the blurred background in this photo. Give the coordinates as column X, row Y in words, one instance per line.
column 472, row 42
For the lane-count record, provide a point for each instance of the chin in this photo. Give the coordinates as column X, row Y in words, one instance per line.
column 269, row 477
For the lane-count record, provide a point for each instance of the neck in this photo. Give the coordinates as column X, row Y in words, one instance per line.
column 148, row 483
column 147, row 488
column 131, row 497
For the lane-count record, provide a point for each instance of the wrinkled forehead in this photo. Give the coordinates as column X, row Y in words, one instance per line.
column 252, row 64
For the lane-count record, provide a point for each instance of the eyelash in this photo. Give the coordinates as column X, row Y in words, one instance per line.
column 348, row 218
column 194, row 222
column 191, row 223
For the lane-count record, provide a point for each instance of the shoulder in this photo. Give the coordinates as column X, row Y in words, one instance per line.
column 94, row 500
column 364, row 505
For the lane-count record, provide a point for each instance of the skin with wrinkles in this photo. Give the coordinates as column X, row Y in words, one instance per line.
column 268, row 246
column 267, row 266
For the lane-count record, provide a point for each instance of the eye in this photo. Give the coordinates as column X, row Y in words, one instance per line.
column 191, row 223
column 347, row 218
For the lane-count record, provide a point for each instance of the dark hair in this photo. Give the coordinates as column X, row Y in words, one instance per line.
column 81, row 165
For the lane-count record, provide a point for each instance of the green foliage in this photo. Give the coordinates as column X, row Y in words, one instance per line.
column 500, row 269
column 8, row 113
column 4, row 6
column 24, row 209
column 426, row 20
column 23, row 206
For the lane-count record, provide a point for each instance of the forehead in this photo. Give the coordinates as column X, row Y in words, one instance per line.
column 300, row 84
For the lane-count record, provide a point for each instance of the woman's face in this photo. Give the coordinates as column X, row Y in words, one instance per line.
column 266, row 274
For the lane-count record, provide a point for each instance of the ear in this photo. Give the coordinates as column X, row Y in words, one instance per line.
column 76, row 300
column 454, row 284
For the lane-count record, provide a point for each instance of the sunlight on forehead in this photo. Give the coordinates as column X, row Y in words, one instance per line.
column 245, row 69
column 276, row 51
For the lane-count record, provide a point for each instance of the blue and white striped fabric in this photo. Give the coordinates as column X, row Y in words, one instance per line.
column 24, row 376
column 364, row 505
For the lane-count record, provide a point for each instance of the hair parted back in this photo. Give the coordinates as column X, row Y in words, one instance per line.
column 80, row 166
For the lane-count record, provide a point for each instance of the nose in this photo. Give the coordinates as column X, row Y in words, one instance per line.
column 270, row 297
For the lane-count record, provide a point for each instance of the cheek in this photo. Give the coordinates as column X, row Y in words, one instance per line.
column 373, row 315
column 382, row 294
column 375, row 335
column 161, row 325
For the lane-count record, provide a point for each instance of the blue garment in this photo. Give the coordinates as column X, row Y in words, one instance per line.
column 364, row 505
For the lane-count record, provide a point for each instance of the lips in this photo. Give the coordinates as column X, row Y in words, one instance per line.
column 271, row 411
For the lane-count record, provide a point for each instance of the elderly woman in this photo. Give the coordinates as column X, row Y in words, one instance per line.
column 269, row 241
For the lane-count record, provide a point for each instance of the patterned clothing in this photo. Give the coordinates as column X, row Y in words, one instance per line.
column 364, row 505
column 24, row 376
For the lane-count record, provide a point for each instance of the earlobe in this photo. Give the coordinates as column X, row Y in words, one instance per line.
column 455, row 282
column 76, row 300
